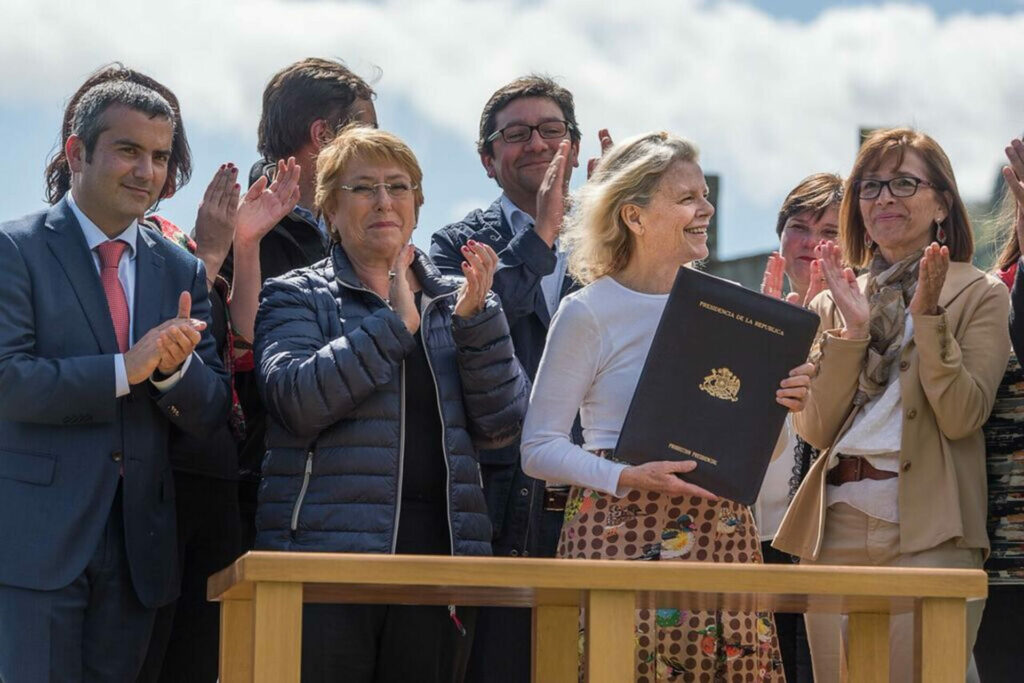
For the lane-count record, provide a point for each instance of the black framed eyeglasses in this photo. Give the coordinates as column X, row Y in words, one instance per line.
column 395, row 190
column 900, row 186
column 521, row 132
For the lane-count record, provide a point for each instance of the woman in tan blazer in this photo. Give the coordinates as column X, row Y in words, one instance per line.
column 909, row 358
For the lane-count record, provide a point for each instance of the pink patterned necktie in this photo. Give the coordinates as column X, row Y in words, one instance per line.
column 110, row 257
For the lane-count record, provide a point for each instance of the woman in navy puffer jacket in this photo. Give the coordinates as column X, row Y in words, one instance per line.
column 381, row 377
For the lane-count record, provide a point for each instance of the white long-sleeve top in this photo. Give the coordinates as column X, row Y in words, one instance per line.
column 595, row 351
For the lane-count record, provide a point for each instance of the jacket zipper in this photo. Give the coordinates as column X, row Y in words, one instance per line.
column 447, row 470
column 302, row 491
column 444, row 446
column 401, row 457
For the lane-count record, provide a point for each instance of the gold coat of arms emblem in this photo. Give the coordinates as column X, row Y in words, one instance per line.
column 722, row 384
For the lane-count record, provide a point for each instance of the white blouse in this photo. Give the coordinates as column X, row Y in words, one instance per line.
column 595, row 351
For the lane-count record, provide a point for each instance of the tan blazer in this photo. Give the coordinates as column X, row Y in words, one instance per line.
column 949, row 373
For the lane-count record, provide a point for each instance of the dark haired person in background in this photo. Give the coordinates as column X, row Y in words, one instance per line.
column 304, row 105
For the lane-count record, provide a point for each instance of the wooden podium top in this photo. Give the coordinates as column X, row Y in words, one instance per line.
column 528, row 582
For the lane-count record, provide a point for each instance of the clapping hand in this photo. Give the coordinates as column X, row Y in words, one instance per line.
column 1014, row 177
column 479, row 267
column 606, row 144
column 180, row 337
column 215, row 220
column 842, row 282
column 263, row 207
column 166, row 346
column 774, row 272
column 400, row 294
column 551, row 195
column 816, row 285
column 930, row 277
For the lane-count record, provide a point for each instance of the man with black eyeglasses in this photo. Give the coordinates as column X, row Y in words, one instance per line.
column 529, row 143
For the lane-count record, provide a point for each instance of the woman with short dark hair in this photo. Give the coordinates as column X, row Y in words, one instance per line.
column 808, row 216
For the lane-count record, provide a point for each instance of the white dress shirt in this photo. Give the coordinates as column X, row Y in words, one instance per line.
column 126, row 274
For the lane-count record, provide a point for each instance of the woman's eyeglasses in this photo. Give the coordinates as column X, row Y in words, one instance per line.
column 395, row 190
column 900, row 186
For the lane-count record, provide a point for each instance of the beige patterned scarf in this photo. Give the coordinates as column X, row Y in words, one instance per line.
column 889, row 290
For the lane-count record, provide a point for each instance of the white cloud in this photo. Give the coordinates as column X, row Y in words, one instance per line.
column 768, row 100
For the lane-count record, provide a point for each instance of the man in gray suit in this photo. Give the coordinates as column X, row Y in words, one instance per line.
column 102, row 350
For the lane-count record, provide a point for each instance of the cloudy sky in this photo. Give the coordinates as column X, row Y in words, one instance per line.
column 771, row 90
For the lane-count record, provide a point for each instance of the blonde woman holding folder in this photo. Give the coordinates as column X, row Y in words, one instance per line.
column 642, row 215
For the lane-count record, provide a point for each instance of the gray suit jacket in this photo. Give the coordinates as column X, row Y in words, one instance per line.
column 63, row 434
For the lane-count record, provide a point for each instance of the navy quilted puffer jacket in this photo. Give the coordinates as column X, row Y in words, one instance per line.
column 329, row 360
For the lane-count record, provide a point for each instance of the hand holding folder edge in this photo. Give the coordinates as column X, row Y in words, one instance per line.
column 663, row 476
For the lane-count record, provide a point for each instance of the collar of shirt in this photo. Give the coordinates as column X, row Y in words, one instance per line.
column 95, row 237
column 309, row 217
column 516, row 217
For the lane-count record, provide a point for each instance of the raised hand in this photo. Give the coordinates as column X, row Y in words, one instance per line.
column 774, row 272
column 551, row 195
column 479, row 267
column 161, row 346
column 400, row 294
column 263, row 207
column 816, row 285
column 661, row 476
column 792, row 391
column 179, row 338
column 842, row 282
column 930, row 277
column 606, row 144
column 1014, row 177
column 215, row 220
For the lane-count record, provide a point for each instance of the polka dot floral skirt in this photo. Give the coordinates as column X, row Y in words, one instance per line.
column 675, row 645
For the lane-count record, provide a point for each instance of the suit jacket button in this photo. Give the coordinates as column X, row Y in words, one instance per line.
column 912, row 413
column 116, row 456
column 513, row 552
column 906, row 466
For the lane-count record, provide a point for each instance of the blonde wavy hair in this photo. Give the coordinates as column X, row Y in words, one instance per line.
column 359, row 142
column 598, row 241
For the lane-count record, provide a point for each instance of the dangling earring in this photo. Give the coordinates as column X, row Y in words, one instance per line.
column 867, row 240
column 940, row 233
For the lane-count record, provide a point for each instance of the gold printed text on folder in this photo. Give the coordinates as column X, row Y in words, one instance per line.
column 743, row 319
column 693, row 454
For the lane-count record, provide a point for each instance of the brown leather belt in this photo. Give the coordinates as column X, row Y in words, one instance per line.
column 554, row 499
column 855, row 468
